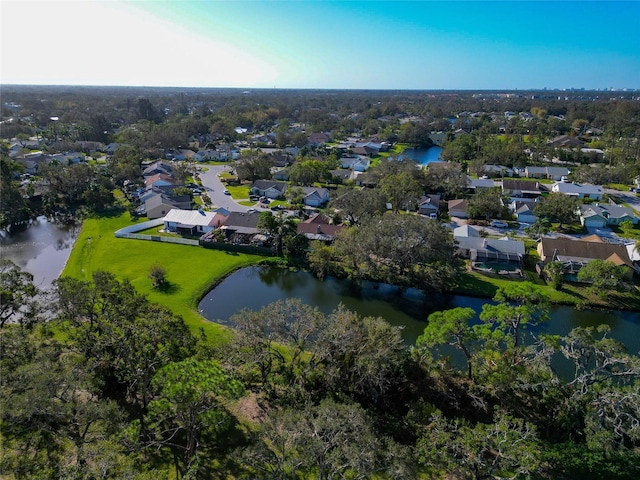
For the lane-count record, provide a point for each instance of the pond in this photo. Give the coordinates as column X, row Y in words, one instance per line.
column 423, row 156
column 255, row 287
column 42, row 249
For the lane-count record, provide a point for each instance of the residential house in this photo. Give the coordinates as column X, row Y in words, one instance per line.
column 524, row 212
column 470, row 244
column 318, row 139
column 358, row 164
column 574, row 254
column 365, row 151
column 474, row 184
column 340, row 176
column 592, row 154
column 282, row 174
column 319, row 228
column 429, row 205
column 157, row 167
column 68, row 158
column 192, row 222
column 32, row 161
column 522, row 188
column 183, row 154
column 565, row 141
column 241, row 228
column 458, row 208
column 550, row 173
column 269, row 188
column 159, row 205
column 160, row 179
column 111, row 148
column 578, row 190
column 497, row 171
column 600, row 215
column 315, row 197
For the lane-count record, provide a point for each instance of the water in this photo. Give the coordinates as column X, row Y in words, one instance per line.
column 42, row 249
column 424, row 156
column 255, row 287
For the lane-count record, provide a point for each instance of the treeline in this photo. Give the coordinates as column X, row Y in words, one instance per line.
column 112, row 386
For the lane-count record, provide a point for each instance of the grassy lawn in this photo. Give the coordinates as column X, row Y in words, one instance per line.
column 191, row 271
column 239, row 191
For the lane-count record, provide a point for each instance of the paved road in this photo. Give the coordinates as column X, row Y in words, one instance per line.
column 215, row 189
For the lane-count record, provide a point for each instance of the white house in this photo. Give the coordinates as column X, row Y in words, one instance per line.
column 579, row 190
column 315, row 197
column 192, row 222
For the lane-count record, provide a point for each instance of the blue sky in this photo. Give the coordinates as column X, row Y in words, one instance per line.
column 313, row 44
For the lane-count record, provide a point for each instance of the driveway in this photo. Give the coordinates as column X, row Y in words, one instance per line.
column 215, row 189
column 627, row 197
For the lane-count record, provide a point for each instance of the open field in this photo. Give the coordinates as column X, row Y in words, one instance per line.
column 191, row 271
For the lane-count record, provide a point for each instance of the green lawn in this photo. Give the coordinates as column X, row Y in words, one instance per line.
column 239, row 191
column 191, row 271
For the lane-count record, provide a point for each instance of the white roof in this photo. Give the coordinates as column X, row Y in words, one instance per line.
column 190, row 217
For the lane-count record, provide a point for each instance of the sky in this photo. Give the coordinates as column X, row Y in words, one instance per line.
column 322, row 44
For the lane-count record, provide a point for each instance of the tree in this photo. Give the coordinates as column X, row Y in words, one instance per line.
column 555, row 272
column 191, row 400
column 448, row 179
column 279, row 226
column 401, row 190
column 487, row 203
column 18, row 295
column 14, row 208
column 253, row 165
column 539, row 228
column 307, row 172
column 519, row 305
column 508, row 447
column 358, row 204
column 331, row 440
column 603, row 275
column 405, row 250
column 450, row 327
column 124, row 338
column 321, row 259
column 158, row 276
column 362, row 357
column 559, row 207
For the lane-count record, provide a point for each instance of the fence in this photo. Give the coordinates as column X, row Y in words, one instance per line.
column 129, row 232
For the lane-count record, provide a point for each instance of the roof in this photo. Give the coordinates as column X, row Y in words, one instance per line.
column 581, row 250
column 523, row 186
column 190, row 217
column 242, row 219
column 267, row 184
column 322, row 231
column 466, row 231
column 606, row 211
column 497, row 245
column 157, row 177
column 577, row 188
column 458, row 203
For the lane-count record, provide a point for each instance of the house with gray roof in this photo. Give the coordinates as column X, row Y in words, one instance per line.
column 315, row 197
column 601, row 215
column 578, row 190
column 269, row 188
column 550, row 173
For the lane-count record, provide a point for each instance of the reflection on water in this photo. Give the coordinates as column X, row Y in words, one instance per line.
column 42, row 249
column 255, row 287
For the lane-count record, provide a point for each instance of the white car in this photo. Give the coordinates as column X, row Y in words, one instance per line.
column 499, row 224
column 226, row 192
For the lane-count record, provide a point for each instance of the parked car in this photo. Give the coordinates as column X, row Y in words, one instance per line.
column 251, row 210
column 277, row 208
column 226, row 192
column 499, row 224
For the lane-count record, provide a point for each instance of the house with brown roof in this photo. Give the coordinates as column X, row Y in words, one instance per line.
column 458, row 208
column 522, row 188
column 319, row 228
column 574, row 254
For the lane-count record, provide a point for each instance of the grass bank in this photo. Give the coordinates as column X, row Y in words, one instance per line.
column 191, row 271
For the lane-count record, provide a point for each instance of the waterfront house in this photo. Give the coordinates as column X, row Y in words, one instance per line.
column 192, row 222
column 319, row 228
